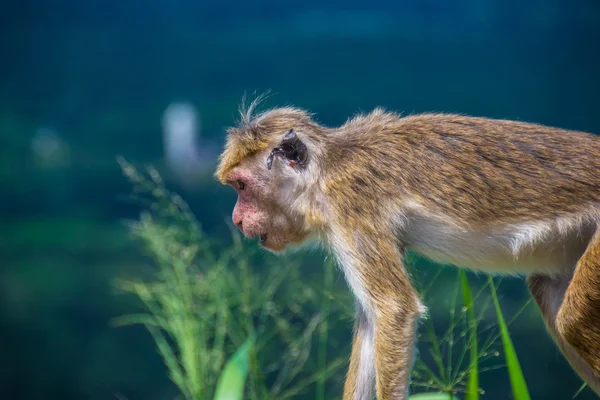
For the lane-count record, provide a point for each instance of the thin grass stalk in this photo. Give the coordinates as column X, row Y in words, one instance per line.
column 472, row 391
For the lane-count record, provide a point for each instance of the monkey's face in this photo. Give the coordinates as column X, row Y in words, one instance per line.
column 268, row 184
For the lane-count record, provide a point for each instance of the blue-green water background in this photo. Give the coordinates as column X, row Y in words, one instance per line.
column 93, row 78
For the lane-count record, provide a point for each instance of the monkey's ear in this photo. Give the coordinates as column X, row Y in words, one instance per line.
column 291, row 149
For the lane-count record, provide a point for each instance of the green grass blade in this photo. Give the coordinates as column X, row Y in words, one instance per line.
column 472, row 390
column 432, row 396
column 233, row 377
column 517, row 381
column 578, row 392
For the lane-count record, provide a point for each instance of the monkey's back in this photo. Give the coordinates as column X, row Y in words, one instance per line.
column 485, row 169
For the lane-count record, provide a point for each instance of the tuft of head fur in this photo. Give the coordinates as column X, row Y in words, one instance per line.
column 256, row 131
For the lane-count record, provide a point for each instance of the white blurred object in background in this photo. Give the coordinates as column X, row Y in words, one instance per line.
column 49, row 150
column 186, row 159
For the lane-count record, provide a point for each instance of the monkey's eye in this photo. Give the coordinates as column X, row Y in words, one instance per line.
column 241, row 185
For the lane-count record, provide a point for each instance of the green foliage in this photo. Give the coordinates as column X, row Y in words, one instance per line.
column 446, row 367
column 517, row 380
column 472, row 391
column 204, row 302
column 452, row 372
column 233, row 378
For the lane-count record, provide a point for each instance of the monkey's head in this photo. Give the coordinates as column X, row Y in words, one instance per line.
column 272, row 161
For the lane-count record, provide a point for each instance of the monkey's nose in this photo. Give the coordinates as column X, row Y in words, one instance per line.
column 239, row 224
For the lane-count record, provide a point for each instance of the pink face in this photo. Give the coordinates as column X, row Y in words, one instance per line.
column 258, row 215
column 246, row 215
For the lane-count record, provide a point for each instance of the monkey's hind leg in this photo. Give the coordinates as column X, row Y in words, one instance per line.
column 548, row 292
column 578, row 320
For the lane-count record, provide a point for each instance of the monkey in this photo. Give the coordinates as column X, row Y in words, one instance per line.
column 492, row 195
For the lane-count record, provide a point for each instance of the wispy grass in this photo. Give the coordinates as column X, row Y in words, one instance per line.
column 464, row 350
column 203, row 303
column 472, row 390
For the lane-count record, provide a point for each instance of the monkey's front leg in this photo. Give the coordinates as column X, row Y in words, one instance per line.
column 395, row 326
column 394, row 347
column 374, row 269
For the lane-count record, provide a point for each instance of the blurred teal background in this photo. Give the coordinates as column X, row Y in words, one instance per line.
column 82, row 82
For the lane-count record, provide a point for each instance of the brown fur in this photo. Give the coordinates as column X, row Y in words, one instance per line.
column 476, row 169
column 546, row 290
column 578, row 320
column 475, row 173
